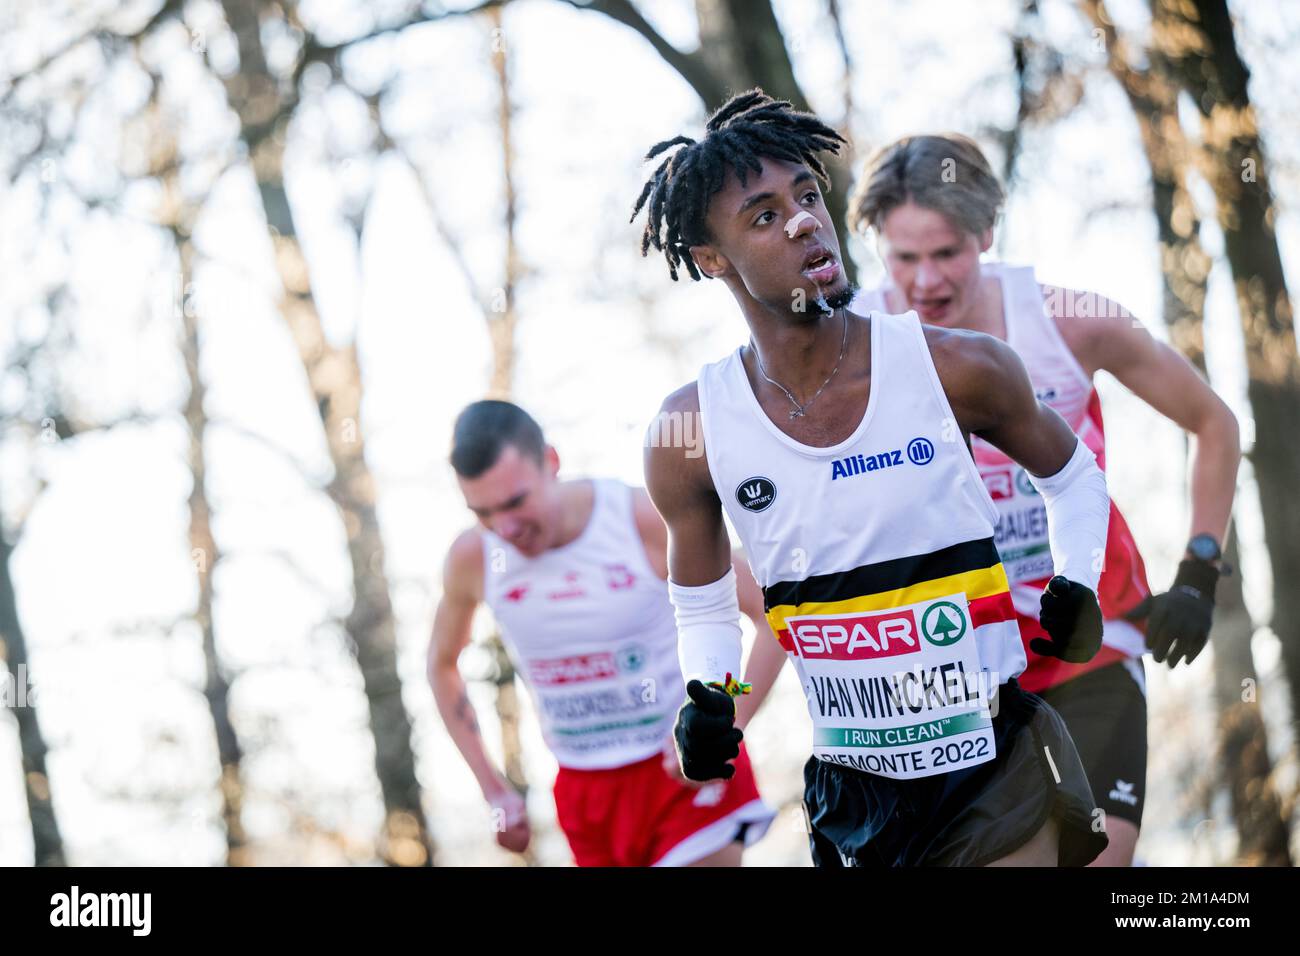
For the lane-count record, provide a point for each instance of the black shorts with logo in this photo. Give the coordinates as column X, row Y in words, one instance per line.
column 968, row 817
column 1106, row 712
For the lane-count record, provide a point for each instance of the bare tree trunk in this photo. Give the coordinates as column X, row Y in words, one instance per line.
column 1197, row 38
column 1048, row 87
column 502, row 320
column 47, row 842
column 1185, row 266
column 206, row 557
column 1257, row 809
column 333, row 373
column 177, row 215
column 741, row 46
column 741, row 43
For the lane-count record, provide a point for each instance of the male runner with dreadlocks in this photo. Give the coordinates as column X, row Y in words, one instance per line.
column 837, row 444
column 933, row 202
column 573, row 572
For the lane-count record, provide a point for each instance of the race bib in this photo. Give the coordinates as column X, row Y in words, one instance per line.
column 607, row 700
column 899, row 692
column 1021, row 533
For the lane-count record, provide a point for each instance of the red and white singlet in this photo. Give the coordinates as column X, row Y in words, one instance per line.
column 593, row 635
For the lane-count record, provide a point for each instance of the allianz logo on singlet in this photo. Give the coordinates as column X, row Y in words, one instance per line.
column 920, row 451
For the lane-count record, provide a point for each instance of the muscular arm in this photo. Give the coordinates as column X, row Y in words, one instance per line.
column 461, row 595
column 1118, row 343
column 991, row 396
column 699, row 551
column 766, row 657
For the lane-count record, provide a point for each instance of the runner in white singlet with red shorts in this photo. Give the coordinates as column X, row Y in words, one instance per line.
column 574, row 573
column 932, row 228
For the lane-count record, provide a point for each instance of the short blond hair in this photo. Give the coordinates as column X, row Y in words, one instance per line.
column 945, row 172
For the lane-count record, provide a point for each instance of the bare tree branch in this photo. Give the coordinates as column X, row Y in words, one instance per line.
column 691, row 66
column 450, row 241
column 168, row 9
column 315, row 52
column 301, row 467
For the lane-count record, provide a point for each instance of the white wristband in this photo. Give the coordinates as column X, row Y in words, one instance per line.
column 708, row 629
column 1078, row 515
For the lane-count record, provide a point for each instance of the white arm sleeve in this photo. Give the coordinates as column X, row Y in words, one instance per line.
column 708, row 629
column 1078, row 513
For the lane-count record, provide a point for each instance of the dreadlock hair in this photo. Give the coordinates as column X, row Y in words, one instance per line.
column 747, row 126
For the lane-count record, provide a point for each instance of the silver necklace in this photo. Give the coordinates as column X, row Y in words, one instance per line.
column 799, row 409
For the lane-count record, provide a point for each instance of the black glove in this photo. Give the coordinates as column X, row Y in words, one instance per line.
column 705, row 733
column 1178, row 621
column 1072, row 619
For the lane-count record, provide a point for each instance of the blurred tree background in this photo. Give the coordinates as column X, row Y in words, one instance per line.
column 255, row 255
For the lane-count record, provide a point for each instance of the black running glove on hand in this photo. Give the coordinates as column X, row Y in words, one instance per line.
column 1072, row 619
column 705, row 733
column 1178, row 621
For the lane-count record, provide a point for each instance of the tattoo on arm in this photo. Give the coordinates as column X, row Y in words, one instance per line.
column 465, row 712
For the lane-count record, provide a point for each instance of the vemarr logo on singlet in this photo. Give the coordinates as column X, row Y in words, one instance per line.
column 920, row 451
column 756, row 494
column 855, row 637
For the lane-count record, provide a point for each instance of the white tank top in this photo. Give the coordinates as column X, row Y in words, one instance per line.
column 591, row 630
column 1060, row 382
column 877, row 562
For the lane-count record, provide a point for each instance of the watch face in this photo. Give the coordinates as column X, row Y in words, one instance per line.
column 1204, row 547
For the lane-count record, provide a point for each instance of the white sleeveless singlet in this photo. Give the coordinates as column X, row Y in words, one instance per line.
column 877, row 562
column 592, row 633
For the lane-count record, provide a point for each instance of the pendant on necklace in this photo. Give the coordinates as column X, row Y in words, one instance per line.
column 797, row 413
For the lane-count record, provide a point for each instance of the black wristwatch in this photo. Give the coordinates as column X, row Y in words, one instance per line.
column 1203, row 547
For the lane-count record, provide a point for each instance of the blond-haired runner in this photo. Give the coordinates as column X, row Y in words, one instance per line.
column 932, row 202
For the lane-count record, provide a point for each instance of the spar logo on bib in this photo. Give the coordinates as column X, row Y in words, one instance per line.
column 943, row 623
column 855, row 637
column 756, row 494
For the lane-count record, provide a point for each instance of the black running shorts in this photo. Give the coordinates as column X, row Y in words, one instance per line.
column 969, row 817
column 1106, row 713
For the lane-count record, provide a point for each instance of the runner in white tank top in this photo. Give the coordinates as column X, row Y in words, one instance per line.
column 567, row 570
column 598, row 651
column 932, row 229
column 837, row 444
